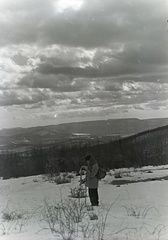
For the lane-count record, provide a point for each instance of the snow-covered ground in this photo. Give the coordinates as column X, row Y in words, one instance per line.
column 133, row 211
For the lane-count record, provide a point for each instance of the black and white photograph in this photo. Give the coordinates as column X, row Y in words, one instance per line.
column 83, row 120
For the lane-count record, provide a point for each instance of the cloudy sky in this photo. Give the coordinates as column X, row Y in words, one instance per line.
column 77, row 60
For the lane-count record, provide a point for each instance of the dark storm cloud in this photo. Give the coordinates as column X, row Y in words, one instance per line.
column 96, row 24
column 138, row 27
column 56, row 82
column 75, row 72
column 112, row 51
column 20, row 20
column 103, row 70
column 140, row 53
column 112, row 67
column 102, row 25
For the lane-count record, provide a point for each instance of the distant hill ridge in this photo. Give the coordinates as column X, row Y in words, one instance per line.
column 100, row 127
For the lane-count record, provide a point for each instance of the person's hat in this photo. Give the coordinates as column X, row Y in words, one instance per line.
column 88, row 157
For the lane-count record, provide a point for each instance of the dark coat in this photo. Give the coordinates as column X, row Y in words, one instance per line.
column 91, row 171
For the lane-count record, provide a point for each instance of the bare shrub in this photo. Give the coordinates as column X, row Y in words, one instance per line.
column 64, row 218
column 89, row 208
column 35, row 180
column 145, row 231
column 139, row 212
column 101, row 223
column 58, row 178
column 70, row 218
column 93, row 216
column 65, row 174
column 51, row 177
column 50, row 214
column 62, row 180
column 88, row 230
column 110, row 174
column 71, row 176
column 117, row 175
column 157, row 231
column 14, row 220
column 79, row 192
column 74, row 210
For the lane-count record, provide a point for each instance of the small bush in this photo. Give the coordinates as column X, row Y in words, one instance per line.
column 7, row 216
column 70, row 176
column 65, row 174
column 117, row 175
column 64, row 218
column 128, row 174
column 15, row 220
column 62, row 180
column 59, row 178
column 48, row 177
column 70, row 217
column 139, row 212
column 51, row 214
column 10, row 216
column 93, row 216
column 149, row 171
column 74, row 211
column 35, row 180
column 109, row 174
column 89, row 208
column 78, row 192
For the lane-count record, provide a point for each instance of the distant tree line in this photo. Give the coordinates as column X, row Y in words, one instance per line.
column 147, row 148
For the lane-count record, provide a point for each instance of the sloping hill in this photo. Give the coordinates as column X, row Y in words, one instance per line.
column 28, row 137
column 146, row 148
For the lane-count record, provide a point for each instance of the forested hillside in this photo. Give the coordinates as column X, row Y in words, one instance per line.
column 146, row 148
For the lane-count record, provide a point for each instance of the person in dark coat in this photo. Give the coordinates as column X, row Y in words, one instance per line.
column 91, row 180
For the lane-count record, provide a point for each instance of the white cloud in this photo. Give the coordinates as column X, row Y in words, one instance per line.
column 65, row 5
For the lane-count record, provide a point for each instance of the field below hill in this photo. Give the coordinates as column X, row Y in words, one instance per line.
column 133, row 206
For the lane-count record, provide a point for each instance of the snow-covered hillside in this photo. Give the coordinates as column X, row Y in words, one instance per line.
column 134, row 211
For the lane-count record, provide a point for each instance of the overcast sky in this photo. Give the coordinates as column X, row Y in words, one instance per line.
column 77, row 60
